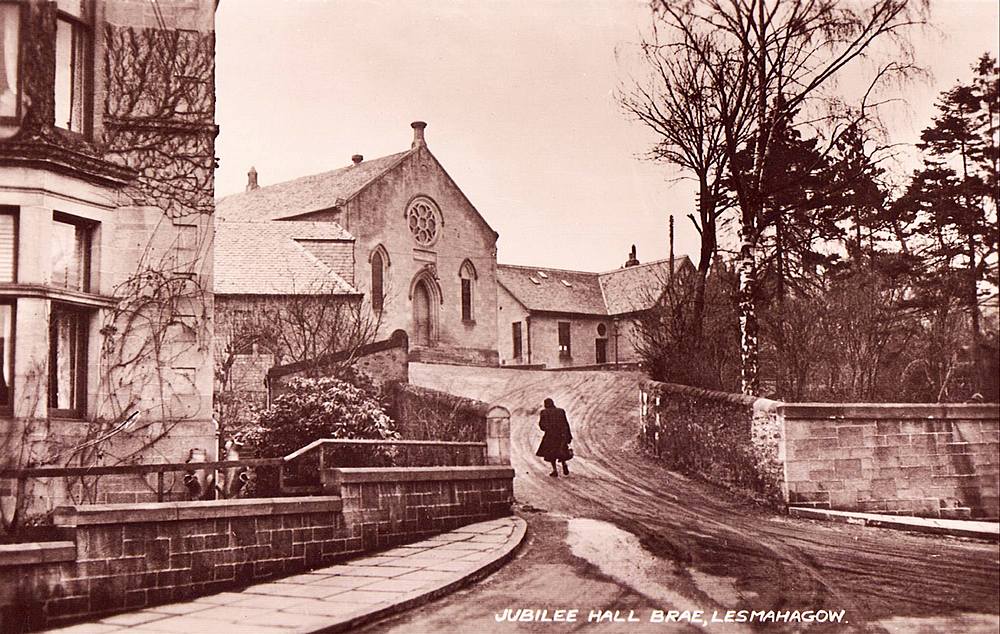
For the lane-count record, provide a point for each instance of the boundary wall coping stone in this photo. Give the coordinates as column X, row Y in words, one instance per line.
column 91, row 514
column 913, row 411
column 758, row 403
column 36, row 553
column 418, row 474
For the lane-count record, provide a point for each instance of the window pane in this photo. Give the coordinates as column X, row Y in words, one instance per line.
column 72, row 7
column 70, row 256
column 67, row 342
column 70, row 89
column 516, row 335
column 8, row 247
column 10, row 22
column 377, row 281
column 6, row 353
column 564, row 344
column 467, row 300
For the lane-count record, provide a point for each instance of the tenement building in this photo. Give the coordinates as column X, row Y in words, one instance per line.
column 400, row 237
column 556, row 318
column 106, row 178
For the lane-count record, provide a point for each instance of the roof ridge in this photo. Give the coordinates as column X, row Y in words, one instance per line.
column 642, row 264
column 545, row 268
column 323, row 173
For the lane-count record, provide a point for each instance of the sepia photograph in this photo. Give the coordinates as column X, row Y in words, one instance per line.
column 499, row 316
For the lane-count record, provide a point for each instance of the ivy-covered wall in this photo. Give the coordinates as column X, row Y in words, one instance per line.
column 424, row 414
column 729, row 439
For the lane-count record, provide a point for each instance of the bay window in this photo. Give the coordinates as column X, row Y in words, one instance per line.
column 6, row 356
column 67, row 360
column 8, row 245
column 72, row 66
column 70, row 252
column 10, row 58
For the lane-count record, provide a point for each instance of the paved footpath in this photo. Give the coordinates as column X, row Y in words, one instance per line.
column 337, row 598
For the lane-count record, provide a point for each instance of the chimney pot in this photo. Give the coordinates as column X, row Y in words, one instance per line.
column 632, row 259
column 357, row 158
column 252, row 179
column 418, row 133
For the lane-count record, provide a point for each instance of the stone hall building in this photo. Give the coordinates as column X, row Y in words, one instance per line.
column 557, row 318
column 395, row 234
column 106, row 192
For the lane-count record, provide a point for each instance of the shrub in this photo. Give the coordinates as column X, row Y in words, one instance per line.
column 319, row 408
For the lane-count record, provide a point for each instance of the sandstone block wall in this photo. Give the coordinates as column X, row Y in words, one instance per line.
column 386, row 507
column 126, row 556
column 898, row 458
column 929, row 460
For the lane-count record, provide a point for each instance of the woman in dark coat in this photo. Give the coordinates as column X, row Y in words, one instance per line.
column 555, row 442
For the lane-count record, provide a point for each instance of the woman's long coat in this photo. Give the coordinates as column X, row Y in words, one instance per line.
column 555, row 442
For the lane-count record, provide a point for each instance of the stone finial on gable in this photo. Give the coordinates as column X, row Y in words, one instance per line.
column 252, row 179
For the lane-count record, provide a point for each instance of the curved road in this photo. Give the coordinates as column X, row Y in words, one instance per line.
column 623, row 533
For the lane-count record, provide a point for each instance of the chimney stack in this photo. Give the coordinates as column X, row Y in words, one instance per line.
column 252, row 179
column 357, row 158
column 418, row 133
column 632, row 260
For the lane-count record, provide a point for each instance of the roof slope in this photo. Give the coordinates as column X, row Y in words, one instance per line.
column 617, row 292
column 274, row 258
column 306, row 194
column 636, row 288
column 540, row 289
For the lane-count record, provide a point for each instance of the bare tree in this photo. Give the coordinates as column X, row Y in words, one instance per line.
column 304, row 328
column 671, row 101
column 764, row 60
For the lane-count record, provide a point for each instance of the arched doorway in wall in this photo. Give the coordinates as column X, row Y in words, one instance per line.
column 425, row 298
column 422, row 324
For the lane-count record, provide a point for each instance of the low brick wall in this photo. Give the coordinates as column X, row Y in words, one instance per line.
column 928, row 460
column 125, row 556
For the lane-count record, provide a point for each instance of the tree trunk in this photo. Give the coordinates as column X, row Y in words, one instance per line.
column 749, row 366
column 706, row 210
column 977, row 361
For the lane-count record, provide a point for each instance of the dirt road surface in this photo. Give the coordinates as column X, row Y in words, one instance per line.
column 624, row 537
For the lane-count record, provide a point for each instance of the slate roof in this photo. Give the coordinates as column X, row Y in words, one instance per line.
column 550, row 294
column 636, row 288
column 615, row 292
column 306, row 194
column 277, row 258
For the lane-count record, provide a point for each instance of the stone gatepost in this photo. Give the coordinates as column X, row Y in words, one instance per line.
column 498, row 436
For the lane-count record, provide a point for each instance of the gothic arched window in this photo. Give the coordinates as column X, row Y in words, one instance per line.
column 379, row 261
column 467, row 274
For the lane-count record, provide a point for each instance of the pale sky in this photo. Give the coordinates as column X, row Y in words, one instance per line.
column 519, row 101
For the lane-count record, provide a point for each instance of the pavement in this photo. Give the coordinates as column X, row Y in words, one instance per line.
column 337, row 598
column 959, row 528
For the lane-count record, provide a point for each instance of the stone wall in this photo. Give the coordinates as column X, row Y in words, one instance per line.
column 385, row 507
column 911, row 459
column 929, row 460
column 119, row 557
column 386, row 361
column 729, row 439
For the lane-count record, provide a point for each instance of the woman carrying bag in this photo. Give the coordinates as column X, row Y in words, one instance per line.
column 555, row 442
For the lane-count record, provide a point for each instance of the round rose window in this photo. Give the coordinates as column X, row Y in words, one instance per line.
column 423, row 220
